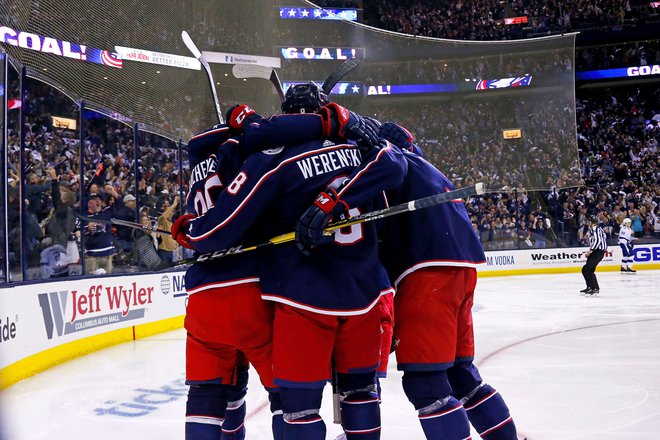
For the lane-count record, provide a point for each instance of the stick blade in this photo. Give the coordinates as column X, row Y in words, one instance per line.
column 251, row 71
column 190, row 45
column 338, row 74
column 480, row 188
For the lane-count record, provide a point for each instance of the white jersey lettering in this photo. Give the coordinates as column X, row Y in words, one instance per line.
column 328, row 162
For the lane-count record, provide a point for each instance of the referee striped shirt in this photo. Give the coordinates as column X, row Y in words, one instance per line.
column 597, row 239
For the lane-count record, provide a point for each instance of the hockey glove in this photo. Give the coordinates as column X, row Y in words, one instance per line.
column 180, row 230
column 239, row 116
column 340, row 124
column 398, row 135
column 309, row 229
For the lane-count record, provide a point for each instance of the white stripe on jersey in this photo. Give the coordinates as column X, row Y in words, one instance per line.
column 432, row 263
column 218, row 285
column 332, row 312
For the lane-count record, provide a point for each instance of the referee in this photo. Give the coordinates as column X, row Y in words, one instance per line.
column 596, row 252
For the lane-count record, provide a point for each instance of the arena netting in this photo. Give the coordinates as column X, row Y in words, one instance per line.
column 498, row 112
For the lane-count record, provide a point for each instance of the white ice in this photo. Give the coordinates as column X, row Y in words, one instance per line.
column 569, row 368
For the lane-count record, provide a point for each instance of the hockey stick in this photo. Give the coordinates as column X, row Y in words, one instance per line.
column 413, row 205
column 116, row 221
column 338, row 74
column 197, row 54
column 257, row 71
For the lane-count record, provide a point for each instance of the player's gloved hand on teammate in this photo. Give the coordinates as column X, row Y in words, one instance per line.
column 340, row 124
column 398, row 135
column 309, row 229
column 203, row 144
column 239, row 116
column 180, row 229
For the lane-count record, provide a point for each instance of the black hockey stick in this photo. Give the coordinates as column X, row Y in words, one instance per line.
column 119, row 222
column 425, row 202
column 257, row 71
column 332, row 80
column 197, row 54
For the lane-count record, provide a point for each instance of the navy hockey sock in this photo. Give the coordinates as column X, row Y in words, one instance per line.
column 233, row 428
column 445, row 419
column 360, row 410
column 276, row 410
column 301, row 414
column 441, row 415
column 489, row 415
column 205, row 411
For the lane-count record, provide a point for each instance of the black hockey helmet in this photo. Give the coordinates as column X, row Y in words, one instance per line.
column 304, row 98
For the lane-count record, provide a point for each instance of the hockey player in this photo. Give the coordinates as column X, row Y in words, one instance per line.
column 626, row 238
column 225, row 311
column 225, row 317
column 434, row 275
column 324, row 302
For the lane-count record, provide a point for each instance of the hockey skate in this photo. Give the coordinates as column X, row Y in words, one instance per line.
column 630, row 270
column 591, row 292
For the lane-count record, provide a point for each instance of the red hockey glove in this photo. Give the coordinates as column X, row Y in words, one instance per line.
column 309, row 229
column 340, row 124
column 180, row 230
column 239, row 116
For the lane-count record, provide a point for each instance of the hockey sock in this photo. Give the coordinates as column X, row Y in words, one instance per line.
column 301, row 414
column 360, row 410
column 276, row 410
column 440, row 414
column 489, row 414
column 233, row 427
column 205, row 411
column 485, row 408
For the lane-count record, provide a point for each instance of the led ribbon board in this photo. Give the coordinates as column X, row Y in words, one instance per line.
column 294, row 13
column 53, row 46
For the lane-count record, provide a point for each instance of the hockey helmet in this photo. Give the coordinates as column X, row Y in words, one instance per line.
column 304, row 98
column 626, row 222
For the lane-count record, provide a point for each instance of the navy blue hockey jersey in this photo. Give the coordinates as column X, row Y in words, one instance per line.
column 273, row 189
column 440, row 235
column 215, row 159
column 212, row 165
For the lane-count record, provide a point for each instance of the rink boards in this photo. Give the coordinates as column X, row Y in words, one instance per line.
column 44, row 324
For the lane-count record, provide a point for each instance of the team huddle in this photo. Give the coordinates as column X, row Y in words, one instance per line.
column 334, row 305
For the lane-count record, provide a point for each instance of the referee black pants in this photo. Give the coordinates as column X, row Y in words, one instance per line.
column 590, row 267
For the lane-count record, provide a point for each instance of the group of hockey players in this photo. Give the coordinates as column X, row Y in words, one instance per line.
column 325, row 309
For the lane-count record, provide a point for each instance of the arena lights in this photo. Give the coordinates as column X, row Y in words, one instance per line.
column 321, row 53
column 289, row 12
column 53, row 46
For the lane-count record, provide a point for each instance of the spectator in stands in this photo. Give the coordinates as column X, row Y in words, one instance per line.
column 125, row 234
column 167, row 245
column 99, row 247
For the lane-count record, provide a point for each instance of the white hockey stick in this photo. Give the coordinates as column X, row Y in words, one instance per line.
column 197, row 54
column 257, row 71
